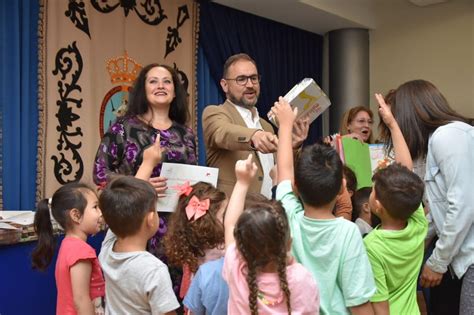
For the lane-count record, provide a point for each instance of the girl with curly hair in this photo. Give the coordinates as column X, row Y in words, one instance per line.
column 195, row 232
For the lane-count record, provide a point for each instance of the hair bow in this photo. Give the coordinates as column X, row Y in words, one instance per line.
column 197, row 208
column 184, row 189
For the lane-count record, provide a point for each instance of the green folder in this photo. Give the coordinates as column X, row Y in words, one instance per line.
column 357, row 158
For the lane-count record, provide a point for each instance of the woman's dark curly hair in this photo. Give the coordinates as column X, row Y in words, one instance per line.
column 186, row 240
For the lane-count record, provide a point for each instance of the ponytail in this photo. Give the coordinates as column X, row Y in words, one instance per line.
column 43, row 253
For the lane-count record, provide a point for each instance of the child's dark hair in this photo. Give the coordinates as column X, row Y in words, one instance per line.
column 69, row 196
column 318, row 175
column 125, row 202
column 351, row 179
column 360, row 197
column 262, row 234
column 186, row 240
column 399, row 190
column 254, row 197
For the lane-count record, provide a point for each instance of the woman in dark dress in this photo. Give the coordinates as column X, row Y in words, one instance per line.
column 158, row 105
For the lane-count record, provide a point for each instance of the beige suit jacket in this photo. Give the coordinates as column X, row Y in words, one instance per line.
column 227, row 139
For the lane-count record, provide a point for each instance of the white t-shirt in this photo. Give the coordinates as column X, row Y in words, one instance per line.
column 135, row 282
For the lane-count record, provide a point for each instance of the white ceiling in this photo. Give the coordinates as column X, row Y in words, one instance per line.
column 321, row 16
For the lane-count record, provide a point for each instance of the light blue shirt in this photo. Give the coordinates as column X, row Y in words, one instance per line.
column 449, row 180
column 209, row 292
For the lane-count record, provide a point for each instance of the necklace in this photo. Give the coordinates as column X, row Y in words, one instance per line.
column 265, row 301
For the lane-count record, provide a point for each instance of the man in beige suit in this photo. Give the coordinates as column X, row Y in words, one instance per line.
column 234, row 129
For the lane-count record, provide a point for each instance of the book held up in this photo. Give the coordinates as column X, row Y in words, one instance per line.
column 308, row 97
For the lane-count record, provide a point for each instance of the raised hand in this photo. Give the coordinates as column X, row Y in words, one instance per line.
column 385, row 112
column 245, row 170
column 152, row 154
column 151, row 157
column 283, row 113
column 400, row 147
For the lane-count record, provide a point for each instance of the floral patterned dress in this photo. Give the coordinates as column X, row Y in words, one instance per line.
column 121, row 152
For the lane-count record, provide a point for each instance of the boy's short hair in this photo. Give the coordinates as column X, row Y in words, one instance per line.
column 399, row 190
column 125, row 202
column 318, row 175
column 360, row 197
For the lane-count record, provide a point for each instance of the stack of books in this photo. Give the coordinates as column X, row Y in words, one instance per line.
column 17, row 226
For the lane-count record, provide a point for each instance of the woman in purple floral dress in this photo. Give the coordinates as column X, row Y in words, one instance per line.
column 158, row 105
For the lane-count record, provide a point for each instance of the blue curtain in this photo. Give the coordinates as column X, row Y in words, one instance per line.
column 284, row 54
column 18, row 101
column 208, row 93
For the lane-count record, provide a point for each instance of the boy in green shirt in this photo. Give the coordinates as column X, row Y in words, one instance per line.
column 395, row 247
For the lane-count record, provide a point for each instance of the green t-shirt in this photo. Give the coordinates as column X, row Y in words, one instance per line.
column 396, row 258
column 334, row 253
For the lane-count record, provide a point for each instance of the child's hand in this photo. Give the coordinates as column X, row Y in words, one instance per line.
column 385, row 112
column 300, row 131
column 152, row 154
column 283, row 112
column 245, row 170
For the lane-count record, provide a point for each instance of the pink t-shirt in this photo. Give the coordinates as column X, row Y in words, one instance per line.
column 304, row 293
column 71, row 251
column 210, row 254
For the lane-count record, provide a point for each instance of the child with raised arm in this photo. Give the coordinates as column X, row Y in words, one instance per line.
column 331, row 248
column 209, row 293
column 79, row 280
column 395, row 247
column 262, row 277
column 136, row 281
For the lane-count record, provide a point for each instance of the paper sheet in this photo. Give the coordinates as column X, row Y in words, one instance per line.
column 178, row 174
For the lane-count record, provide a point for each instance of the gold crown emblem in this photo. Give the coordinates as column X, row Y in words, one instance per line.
column 123, row 69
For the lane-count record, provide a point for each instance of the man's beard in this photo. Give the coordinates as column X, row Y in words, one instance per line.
column 242, row 101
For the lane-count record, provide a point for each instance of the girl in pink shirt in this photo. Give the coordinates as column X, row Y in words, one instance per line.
column 262, row 277
column 79, row 279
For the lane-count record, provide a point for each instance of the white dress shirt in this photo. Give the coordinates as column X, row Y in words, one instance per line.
column 252, row 120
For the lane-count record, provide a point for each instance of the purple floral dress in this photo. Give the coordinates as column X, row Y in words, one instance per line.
column 121, row 148
column 121, row 152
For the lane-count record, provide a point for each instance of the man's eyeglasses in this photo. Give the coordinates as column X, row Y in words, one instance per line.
column 243, row 79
